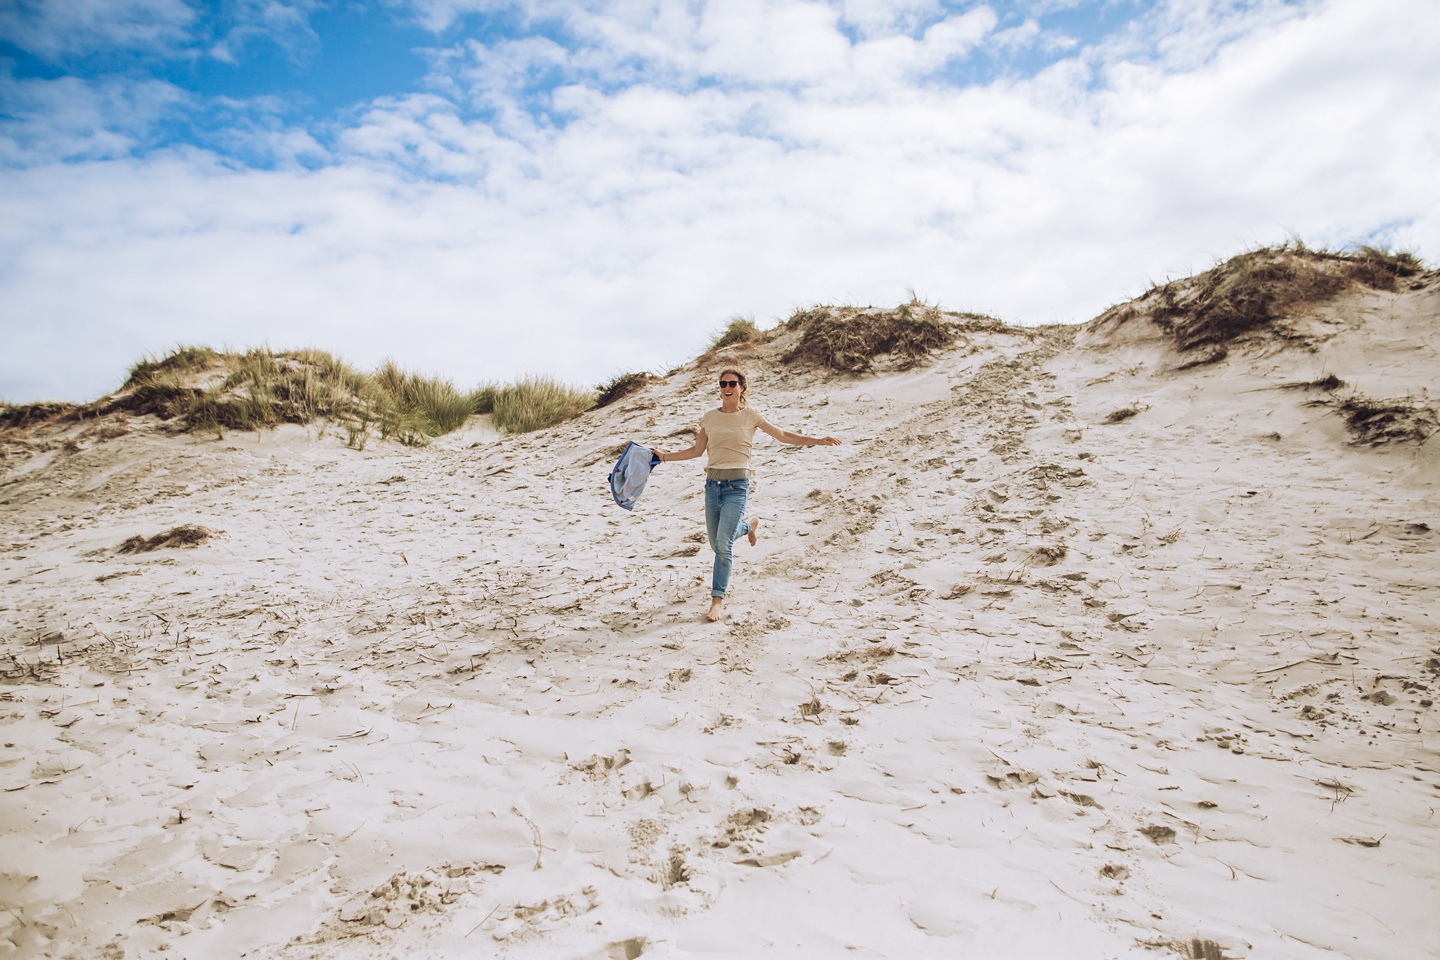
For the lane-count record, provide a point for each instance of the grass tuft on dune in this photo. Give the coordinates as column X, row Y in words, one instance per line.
column 622, row 385
column 211, row 391
column 537, row 402
column 739, row 330
column 1250, row 292
column 851, row 339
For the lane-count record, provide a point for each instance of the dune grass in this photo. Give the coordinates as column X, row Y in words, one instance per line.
column 537, row 402
column 482, row 398
column 185, row 535
column 850, row 339
column 1384, row 268
column 432, row 406
column 1327, row 382
column 214, row 391
column 19, row 416
column 1252, row 290
column 183, row 359
column 622, row 385
column 1374, row 422
column 740, row 329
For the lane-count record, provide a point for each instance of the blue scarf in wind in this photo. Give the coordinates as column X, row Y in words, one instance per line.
column 627, row 480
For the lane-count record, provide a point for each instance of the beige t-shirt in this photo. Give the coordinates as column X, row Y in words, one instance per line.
column 729, row 437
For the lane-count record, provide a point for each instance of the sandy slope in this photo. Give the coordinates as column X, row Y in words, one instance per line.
column 1002, row 679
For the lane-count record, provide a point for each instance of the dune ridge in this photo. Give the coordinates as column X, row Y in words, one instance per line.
column 1077, row 648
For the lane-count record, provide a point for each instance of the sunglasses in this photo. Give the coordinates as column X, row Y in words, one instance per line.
column 729, row 383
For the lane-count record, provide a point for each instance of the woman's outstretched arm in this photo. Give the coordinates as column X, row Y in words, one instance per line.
column 695, row 450
column 786, row 436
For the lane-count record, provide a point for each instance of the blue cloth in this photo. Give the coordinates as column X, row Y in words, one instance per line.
column 627, row 480
column 724, row 514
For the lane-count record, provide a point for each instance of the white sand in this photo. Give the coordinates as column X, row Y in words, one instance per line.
column 1000, row 680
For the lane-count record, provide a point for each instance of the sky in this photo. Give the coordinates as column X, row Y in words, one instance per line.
column 488, row 189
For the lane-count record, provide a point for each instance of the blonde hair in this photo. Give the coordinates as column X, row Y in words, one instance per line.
column 744, row 385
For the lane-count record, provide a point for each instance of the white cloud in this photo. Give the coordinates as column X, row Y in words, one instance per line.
column 68, row 118
column 880, row 17
column 760, row 42
column 61, row 31
column 680, row 176
column 959, row 34
column 57, row 29
column 284, row 23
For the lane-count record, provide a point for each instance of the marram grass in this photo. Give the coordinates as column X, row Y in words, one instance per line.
column 536, row 402
column 738, row 330
column 214, row 391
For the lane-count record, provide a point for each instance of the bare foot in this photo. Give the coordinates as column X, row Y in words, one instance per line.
column 754, row 522
column 714, row 614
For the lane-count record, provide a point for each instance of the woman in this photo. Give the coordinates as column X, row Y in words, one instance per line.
column 727, row 434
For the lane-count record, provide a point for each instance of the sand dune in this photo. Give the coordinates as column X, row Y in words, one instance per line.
column 1075, row 649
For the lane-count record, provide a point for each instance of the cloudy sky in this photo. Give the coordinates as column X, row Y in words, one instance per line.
column 488, row 188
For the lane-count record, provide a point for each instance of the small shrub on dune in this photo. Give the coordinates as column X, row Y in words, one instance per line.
column 1375, row 422
column 213, row 412
column 537, row 402
column 621, row 386
column 1383, row 269
column 445, row 408
column 166, row 394
column 23, row 416
column 1245, row 293
column 165, row 386
column 1121, row 415
column 185, row 535
column 1327, row 382
column 849, row 340
column 432, row 405
column 1252, row 291
column 738, row 330
column 181, row 360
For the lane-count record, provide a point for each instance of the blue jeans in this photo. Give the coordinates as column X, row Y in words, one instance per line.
column 724, row 522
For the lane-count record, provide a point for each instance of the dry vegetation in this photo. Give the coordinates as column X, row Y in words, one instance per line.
column 534, row 403
column 15, row 416
column 209, row 391
column 738, row 330
column 1250, row 292
column 623, row 385
column 185, row 535
column 1327, row 382
column 850, row 339
column 205, row 390
column 1253, row 294
column 1375, row 422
